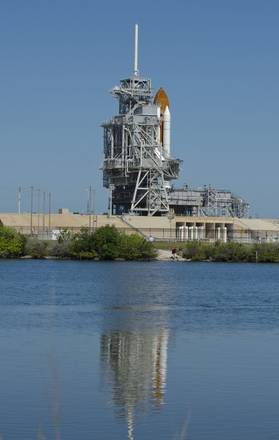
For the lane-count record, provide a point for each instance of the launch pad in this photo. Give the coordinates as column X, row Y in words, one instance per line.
column 138, row 167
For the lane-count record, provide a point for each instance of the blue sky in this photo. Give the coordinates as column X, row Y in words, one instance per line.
column 218, row 61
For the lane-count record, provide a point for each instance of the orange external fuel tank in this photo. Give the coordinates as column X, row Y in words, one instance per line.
column 161, row 99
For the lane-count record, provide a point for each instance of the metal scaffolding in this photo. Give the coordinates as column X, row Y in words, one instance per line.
column 207, row 201
column 137, row 167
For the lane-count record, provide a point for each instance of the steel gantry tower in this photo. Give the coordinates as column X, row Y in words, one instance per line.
column 137, row 164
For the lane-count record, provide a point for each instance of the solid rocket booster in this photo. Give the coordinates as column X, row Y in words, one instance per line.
column 166, row 131
column 159, row 125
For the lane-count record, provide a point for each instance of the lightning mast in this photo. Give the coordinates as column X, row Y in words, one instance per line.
column 137, row 165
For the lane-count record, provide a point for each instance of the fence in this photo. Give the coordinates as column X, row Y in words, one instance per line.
column 168, row 234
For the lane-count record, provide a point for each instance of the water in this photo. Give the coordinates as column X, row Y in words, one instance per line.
column 138, row 351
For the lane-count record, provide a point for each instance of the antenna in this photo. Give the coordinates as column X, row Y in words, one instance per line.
column 136, row 71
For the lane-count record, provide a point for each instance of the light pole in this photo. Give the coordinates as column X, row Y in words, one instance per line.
column 44, row 209
column 111, row 188
column 49, row 211
column 38, row 210
column 19, row 200
column 90, row 205
column 93, row 209
column 170, row 217
column 20, row 191
column 31, row 209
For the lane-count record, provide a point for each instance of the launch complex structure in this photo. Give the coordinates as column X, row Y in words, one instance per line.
column 138, row 167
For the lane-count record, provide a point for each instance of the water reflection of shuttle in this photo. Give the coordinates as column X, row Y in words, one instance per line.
column 136, row 363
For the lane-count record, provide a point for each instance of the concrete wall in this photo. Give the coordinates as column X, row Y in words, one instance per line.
column 162, row 228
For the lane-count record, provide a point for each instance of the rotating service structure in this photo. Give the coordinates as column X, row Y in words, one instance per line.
column 138, row 167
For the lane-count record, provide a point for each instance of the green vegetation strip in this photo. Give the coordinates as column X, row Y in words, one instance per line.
column 232, row 252
column 226, row 252
column 107, row 243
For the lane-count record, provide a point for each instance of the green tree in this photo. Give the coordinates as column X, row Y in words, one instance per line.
column 107, row 241
column 82, row 245
column 11, row 243
column 135, row 247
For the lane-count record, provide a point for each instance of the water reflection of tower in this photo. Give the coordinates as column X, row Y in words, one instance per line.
column 137, row 364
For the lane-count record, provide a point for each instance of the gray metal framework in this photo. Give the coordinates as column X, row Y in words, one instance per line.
column 136, row 168
column 207, row 201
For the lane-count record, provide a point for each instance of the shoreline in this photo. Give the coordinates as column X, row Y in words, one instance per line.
column 162, row 256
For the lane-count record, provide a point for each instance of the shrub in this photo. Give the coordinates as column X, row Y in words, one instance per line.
column 59, row 249
column 266, row 253
column 35, row 248
column 82, row 242
column 135, row 247
column 85, row 255
column 106, row 241
column 11, row 243
column 194, row 251
column 232, row 252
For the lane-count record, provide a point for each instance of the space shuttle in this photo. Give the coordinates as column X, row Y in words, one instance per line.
column 162, row 101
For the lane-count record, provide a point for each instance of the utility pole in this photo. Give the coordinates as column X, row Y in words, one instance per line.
column 49, row 211
column 90, row 206
column 87, row 202
column 111, row 188
column 31, row 209
column 44, row 210
column 93, row 201
column 20, row 192
column 38, row 213
column 94, row 224
column 19, row 200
